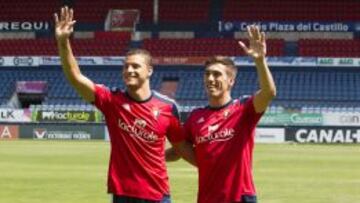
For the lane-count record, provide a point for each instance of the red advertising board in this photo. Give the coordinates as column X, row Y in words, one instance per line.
column 9, row 132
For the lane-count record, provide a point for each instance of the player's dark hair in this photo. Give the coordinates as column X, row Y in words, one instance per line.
column 224, row 60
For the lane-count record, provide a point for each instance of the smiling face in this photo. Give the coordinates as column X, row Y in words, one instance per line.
column 136, row 71
column 219, row 77
column 217, row 82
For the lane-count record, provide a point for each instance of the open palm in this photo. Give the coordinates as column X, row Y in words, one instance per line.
column 257, row 44
column 64, row 26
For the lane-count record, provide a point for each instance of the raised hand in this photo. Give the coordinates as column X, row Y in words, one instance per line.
column 257, row 47
column 64, row 26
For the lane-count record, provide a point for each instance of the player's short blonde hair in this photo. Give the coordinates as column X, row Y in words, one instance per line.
column 146, row 54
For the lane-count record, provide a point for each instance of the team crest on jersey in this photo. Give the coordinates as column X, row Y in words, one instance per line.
column 156, row 113
column 140, row 123
column 126, row 107
column 226, row 113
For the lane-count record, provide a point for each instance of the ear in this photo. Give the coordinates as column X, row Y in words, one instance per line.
column 150, row 70
column 232, row 81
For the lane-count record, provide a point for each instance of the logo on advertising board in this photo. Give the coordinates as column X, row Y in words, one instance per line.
column 287, row 26
column 24, row 26
column 9, row 132
column 23, row 61
column 40, row 133
column 323, row 135
column 51, row 60
column 292, row 119
column 70, row 116
column 270, row 135
column 325, row 61
column 341, row 119
column 7, row 114
column 350, row 119
column 43, row 133
column 87, row 60
column 15, row 115
column 118, row 61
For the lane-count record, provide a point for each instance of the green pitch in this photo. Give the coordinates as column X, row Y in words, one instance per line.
column 71, row 172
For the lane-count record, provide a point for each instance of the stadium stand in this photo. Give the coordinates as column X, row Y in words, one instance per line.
column 18, row 10
column 304, row 89
column 106, row 45
column 300, row 90
column 329, row 47
column 204, row 47
column 96, row 11
column 189, row 11
column 277, row 10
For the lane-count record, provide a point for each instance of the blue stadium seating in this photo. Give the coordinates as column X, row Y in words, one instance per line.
column 304, row 90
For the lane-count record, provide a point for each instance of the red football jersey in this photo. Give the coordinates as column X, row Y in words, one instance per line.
column 138, row 130
column 224, row 140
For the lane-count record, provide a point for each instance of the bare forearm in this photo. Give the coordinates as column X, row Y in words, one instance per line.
column 183, row 150
column 266, row 80
column 186, row 151
column 68, row 61
column 83, row 85
column 189, row 157
column 171, row 155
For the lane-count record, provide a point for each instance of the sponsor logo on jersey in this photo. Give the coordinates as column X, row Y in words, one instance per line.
column 138, row 130
column 215, row 135
column 156, row 113
column 226, row 113
column 140, row 123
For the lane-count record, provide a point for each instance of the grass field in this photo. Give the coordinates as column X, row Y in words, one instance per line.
column 70, row 171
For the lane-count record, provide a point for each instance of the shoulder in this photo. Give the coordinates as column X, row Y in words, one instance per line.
column 165, row 100
column 109, row 92
column 243, row 99
column 103, row 87
column 196, row 113
column 116, row 90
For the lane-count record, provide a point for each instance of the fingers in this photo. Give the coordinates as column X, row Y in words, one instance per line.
column 71, row 15
column 243, row 46
column 62, row 14
column 254, row 32
column 56, row 19
column 71, row 24
column 66, row 14
column 257, row 31
column 263, row 39
column 249, row 31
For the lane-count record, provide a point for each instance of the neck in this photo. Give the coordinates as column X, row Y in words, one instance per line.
column 216, row 102
column 140, row 94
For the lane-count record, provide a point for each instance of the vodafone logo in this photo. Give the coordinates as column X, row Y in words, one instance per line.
column 40, row 133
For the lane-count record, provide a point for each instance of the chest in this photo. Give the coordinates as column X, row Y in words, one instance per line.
column 216, row 127
column 141, row 118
